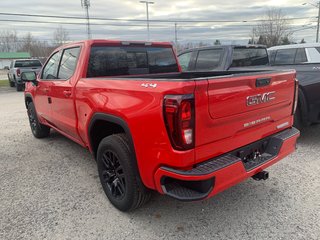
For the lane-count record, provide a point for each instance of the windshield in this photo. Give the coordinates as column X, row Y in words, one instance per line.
column 130, row 60
column 245, row 57
column 27, row 63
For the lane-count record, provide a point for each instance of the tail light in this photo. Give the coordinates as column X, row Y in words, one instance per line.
column 296, row 94
column 179, row 116
column 18, row 72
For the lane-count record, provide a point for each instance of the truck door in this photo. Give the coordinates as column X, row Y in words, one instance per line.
column 63, row 113
column 42, row 98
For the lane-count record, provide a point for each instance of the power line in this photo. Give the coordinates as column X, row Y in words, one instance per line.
column 151, row 20
column 117, row 25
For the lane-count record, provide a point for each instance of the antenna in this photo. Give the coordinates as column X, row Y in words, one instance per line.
column 86, row 4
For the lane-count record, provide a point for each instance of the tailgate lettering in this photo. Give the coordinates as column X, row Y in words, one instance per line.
column 260, row 98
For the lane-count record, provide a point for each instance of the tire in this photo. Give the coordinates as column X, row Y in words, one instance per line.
column 11, row 84
column 38, row 130
column 19, row 87
column 119, row 175
column 297, row 123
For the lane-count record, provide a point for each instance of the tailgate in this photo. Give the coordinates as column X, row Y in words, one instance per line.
column 236, row 95
column 241, row 109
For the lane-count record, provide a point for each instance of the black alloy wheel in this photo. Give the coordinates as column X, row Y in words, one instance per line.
column 113, row 175
column 38, row 130
column 119, row 175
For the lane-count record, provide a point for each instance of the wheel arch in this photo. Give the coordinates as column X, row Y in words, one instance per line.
column 102, row 125
column 303, row 106
column 28, row 99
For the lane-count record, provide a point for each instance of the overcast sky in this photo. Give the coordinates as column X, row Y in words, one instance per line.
column 236, row 32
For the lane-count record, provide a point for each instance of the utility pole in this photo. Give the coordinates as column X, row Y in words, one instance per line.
column 318, row 22
column 147, row 7
column 86, row 4
column 317, row 6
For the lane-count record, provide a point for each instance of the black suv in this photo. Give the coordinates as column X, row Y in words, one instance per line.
column 305, row 59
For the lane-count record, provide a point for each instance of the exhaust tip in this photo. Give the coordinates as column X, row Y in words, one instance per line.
column 263, row 175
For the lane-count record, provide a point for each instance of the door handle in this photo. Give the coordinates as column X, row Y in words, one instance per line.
column 67, row 93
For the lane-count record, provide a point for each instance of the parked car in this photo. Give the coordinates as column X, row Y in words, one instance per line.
column 19, row 66
column 305, row 59
column 150, row 126
column 224, row 57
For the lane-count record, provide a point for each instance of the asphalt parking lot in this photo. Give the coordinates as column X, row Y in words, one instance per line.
column 50, row 190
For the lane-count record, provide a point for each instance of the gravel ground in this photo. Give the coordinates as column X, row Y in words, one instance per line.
column 50, row 190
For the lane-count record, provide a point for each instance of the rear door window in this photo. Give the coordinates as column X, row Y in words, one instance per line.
column 68, row 63
column 245, row 57
column 285, row 56
column 184, row 60
column 130, row 60
column 209, row 59
column 301, row 56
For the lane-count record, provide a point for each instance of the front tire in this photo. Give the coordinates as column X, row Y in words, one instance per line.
column 119, row 175
column 12, row 84
column 38, row 130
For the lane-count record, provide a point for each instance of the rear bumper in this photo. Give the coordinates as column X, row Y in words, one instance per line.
column 215, row 175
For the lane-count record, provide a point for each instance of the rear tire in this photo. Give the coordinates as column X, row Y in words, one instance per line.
column 297, row 119
column 119, row 175
column 11, row 84
column 19, row 87
column 38, row 130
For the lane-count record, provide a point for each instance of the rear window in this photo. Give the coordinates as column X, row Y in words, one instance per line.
column 28, row 63
column 209, row 59
column 244, row 57
column 128, row 60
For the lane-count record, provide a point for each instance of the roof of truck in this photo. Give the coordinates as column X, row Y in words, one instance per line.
column 301, row 45
column 224, row 46
column 117, row 42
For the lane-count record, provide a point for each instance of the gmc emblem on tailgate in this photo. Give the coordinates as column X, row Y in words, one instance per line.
column 260, row 98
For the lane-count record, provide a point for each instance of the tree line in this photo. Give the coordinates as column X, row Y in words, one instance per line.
column 10, row 41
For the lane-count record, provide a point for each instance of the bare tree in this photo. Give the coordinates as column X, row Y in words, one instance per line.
column 274, row 30
column 217, row 42
column 9, row 41
column 60, row 36
column 27, row 43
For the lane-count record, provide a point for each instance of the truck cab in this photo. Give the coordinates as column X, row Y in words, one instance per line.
column 224, row 57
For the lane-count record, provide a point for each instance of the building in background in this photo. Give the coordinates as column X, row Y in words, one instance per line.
column 7, row 57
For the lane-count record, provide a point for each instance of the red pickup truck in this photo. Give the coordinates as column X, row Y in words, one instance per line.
column 149, row 126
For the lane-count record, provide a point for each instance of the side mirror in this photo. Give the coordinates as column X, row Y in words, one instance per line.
column 29, row 77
